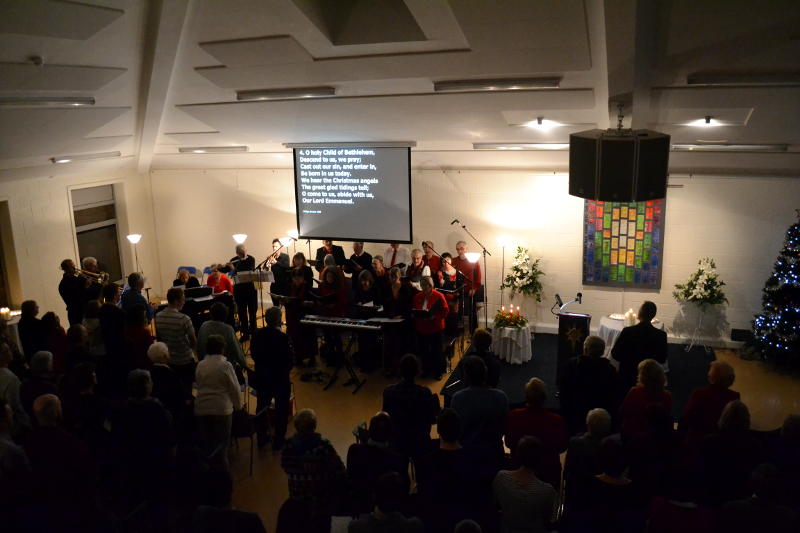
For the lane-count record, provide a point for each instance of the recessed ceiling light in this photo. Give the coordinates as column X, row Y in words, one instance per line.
column 519, row 84
column 46, row 101
column 84, row 157
column 286, row 94
column 521, row 146
column 542, row 124
column 212, row 149
column 729, row 147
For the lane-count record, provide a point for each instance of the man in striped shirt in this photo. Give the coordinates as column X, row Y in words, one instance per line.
column 176, row 330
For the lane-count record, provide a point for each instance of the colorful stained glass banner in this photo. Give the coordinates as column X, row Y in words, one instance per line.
column 623, row 243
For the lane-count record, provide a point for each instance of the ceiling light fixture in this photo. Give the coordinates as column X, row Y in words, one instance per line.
column 134, row 238
column 745, row 148
column 212, row 149
column 542, row 124
column 286, row 94
column 705, row 122
column 519, row 84
column 84, row 157
column 744, row 78
column 46, row 101
column 521, row 146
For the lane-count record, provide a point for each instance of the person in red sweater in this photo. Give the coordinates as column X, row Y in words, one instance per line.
column 705, row 405
column 647, row 393
column 218, row 281
column 535, row 421
column 473, row 282
column 429, row 330
column 430, row 259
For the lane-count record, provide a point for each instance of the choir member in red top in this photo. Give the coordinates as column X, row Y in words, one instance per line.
column 648, row 393
column 450, row 279
column 473, row 281
column 705, row 405
column 414, row 270
column 333, row 289
column 536, row 421
column 218, row 281
column 429, row 330
column 430, row 259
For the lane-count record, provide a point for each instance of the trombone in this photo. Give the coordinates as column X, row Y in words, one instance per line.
column 99, row 277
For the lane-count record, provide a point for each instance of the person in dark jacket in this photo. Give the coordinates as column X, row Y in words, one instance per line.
column 637, row 343
column 588, row 381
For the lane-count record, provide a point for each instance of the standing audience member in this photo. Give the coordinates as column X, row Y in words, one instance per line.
column 133, row 296
column 785, row 454
column 56, row 341
column 588, row 381
column 273, row 356
column 176, row 330
column 64, row 473
column 30, row 329
column 637, row 343
column 85, row 411
column 40, row 381
column 218, row 396
column 316, row 478
column 167, row 387
column 649, row 391
column 390, row 494
column 112, row 321
column 536, row 421
column 218, row 326
column 136, row 340
column 705, row 405
column 680, row 509
column 16, row 483
column 761, row 511
column 217, row 514
column 9, row 387
column 412, row 408
column 78, row 352
column 527, row 502
column 91, row 321
column 582, row 463
column 429, row 329
column 18, row 361
column 481, row 347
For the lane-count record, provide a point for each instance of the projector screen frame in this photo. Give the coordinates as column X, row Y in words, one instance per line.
column 300, row 236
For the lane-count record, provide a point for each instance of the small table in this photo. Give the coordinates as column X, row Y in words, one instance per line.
column 610, row 329
column 512, row 344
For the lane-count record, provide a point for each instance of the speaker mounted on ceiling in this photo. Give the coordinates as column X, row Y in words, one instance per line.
column 618, row 165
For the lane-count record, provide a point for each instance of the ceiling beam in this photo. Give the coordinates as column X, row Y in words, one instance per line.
column 166, row 20
column 596, row 25
column 643, row 61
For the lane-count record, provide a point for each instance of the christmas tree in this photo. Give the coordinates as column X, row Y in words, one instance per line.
column 777, row 328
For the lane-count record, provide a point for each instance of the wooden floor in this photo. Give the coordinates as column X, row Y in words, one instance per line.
column 770, row 397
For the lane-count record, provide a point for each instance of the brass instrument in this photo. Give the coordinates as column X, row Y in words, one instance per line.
column 99, row 277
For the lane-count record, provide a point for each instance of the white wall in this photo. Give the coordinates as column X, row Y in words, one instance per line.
column 44, row 235
column 739, row 222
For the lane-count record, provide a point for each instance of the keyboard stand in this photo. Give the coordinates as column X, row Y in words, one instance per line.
column 345, row 360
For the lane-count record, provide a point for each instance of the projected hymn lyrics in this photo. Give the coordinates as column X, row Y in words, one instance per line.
column 336, row 176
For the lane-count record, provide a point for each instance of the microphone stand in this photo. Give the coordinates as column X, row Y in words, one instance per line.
column 462, row 309
column 485, row 252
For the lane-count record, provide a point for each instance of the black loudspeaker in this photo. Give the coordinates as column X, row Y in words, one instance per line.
column 613, row 167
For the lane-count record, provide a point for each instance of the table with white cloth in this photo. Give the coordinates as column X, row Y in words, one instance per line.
column 609, row 330
column 512, row 344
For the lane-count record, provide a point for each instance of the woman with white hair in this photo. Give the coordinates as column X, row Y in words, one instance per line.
column 648, row 395
column 167, row 386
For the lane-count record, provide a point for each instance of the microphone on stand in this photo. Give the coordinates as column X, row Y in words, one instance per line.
column 455, row 220
column 580, row 297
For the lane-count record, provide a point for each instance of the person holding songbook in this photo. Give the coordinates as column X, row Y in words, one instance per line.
column 431, row 260
column 365, row 292
column 451, row 282
column 359, row 262
column 430, row 309
column 299, row 263
column 333, row 290
column 328, row 248
column 473, row 281
column 382, row 284
column 414, row 271
column 218, row 281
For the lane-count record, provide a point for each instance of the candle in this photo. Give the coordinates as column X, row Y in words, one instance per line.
column 5, row 313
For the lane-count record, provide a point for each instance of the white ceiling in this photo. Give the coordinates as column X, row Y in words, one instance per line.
column 165, row 75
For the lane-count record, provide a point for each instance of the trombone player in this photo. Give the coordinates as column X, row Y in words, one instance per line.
column 72, row 289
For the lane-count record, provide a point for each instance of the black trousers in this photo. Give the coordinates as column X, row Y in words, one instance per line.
column 246, row 304
column 281, row 391
column 186, row 376
column 429, row 350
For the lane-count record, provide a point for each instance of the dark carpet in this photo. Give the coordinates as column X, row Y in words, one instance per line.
column 687, row 371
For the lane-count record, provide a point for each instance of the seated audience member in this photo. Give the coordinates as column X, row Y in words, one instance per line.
column 217, row 514
column 412, row 408
column 446, row 488
column 588, row 381
column 176, row 330
column 218, row 396
column 679, row 510
column 64, row 473
column 40, row 381
column 368, row 461
column 9, row 388
column 218, row 281
column 273, row 358
column 582, row 463
column 56, row 341
column 761, row 511
column 616, row 504
column 218, row 326
column 30, row 329
column 480, row 347
column 391, row 492
column 637, row 343
column 536, row 421
column 16, row 484
column 185, row 280
column 429, row 329
column 167, row 387
column 527, row 503
column 729, row 455
column 7, row 338
column 705, row 405
column 143, row 439
column 649, row 391
column 91, row 321
column 78, row 339
column 132, row 296
column 137, row 338
column 316, row 477
column 483, row 413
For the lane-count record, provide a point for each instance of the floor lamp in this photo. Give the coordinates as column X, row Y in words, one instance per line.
column 134, row 239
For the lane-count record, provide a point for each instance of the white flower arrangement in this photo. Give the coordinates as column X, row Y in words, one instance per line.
column 704, row 287
column 524, row 275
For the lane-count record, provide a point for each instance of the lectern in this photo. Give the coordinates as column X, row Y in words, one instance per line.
column 573, row 328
